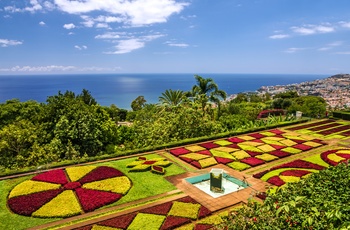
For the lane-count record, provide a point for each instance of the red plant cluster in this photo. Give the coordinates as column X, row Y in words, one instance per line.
column 26, row 205
column 93, row 199
column 209, row 145
column 311, row 125
column 276, row 180
column 297, row 173
column 280, row 153
column 327, row 126
column 56, row 176
column 273, row 112
column 324, row 156
column 299, row 164
column 100, row 173
column 252, row 161
column 302, row 147
column 171, row 222
column 179, row 151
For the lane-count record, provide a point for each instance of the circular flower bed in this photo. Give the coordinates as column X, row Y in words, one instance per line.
column 68, row 192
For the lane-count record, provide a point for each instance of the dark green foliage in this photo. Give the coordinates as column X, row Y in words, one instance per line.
column 321, row 201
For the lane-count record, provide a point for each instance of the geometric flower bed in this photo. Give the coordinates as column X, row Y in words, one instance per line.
column 156, row 165
column 246, row 151
column 326, row 128
column 168, row 215
column 297, row 169
column 68, row 192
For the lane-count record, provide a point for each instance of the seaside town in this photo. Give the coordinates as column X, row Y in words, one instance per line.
column 335, row 90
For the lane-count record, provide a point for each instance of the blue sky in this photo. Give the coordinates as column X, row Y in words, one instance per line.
column 174, row 36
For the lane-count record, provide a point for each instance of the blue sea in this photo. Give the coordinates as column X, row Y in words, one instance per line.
column 122, row 89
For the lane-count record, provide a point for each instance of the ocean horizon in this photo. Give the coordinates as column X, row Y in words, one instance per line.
column 122, row 89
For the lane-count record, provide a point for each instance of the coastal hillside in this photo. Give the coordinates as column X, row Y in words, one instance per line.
column 334, row 89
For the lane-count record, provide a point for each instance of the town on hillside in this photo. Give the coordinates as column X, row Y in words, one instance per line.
column 335, row 90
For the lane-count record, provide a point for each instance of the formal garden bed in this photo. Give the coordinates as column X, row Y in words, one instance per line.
column 60, row 193
column 246, row 151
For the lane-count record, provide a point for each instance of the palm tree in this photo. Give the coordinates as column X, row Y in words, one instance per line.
column 172, row 97
column 207, row 90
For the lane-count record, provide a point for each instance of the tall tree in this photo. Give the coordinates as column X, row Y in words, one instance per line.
column 138, row 103
column 172, row 97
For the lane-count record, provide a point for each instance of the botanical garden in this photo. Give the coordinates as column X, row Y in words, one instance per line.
column 70, row 164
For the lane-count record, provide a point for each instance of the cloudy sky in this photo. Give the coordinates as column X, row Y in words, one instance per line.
column 174, row 36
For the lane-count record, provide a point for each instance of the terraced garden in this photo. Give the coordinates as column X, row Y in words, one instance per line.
column 136, row 193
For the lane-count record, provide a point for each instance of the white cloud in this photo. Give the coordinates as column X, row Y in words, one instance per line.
column 80, row 47
column 345, row 24
column 126, row 46
column 50, row 68
column 35, row 6
column 42, row 23
column 294, row 50
column 7, row 42
column 279, row 36
column 343, row 52
column 331, row 46
column 313, row 29
column 175, row 44
column 69, row 26
column 109, row 35
column 135, row 13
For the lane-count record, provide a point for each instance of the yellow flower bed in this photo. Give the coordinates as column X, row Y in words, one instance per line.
column 76, row 173
column 117, row 185
column 238, row 165
column 267, row 133
column 195, row 148
column 272, row 138
column 100, row 227
column 30, row 186
column 207, row 162
column 249, row 148
column 272, row 142
column 266, row 157
column 221, row 154
column 266, row 148
column 226, row 149
column 181, row 209
column 252, row 143
column 223, row 142
column 292, row 150
column 290, row 179
column 312, row 144
column 246, row 138
column 288, row 142
column 335, row 157
column 63, row 205
column 239, row 155
column 195, row 156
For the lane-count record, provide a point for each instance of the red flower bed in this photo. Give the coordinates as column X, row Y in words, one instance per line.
column 324, row 156
column 297, row 173
column 256, row 135
column 172, row 222
column 258, row 141
column 276, row 131
column 26, row 205
column 203, row 212
column 299, row 164
column 276, row 180
column 72, row 185
column 120, row 222
column 179, row 151
column 302, row 147
column 311, row 125
column 260, row 174
column 209, row 145
column 224, row 161
column 188, row 199
column 279, row 153
column 56, row 176
column 161, row 209
column 93, row 199
column 235, row 146
column 196, row 164
column 188, row 160
column 149, row 162
column 335, row 130
column 343, row 155
column 252, row 153
column 298, row 141
column 203, row 226
column 322, row 127
column 205, row 152
column 277, row 147
column 235, row 140
column 252, row 161
column 100, row 173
